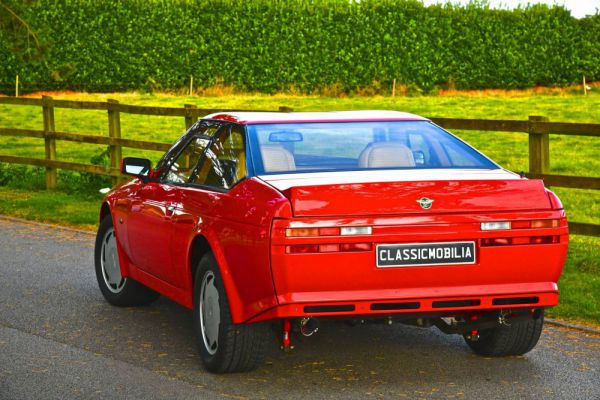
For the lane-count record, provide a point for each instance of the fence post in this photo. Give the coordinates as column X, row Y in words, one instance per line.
column 539, row 146
column 49, row 140
column 190, row 118
column 114, row 132
column 285, row 109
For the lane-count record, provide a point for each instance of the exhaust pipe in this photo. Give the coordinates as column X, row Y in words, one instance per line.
column 309, row 326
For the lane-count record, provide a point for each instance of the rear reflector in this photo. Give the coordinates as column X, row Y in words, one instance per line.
column 520, row 240
column 302, row 248
column 356, row 247
column 327, row 248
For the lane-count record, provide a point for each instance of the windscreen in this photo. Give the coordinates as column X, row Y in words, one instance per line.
column 347, row 146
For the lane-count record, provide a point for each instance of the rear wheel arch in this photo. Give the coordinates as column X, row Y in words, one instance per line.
column 202, row 245
column 198, row 249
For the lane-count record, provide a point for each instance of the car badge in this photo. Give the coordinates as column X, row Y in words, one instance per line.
column 425, row 203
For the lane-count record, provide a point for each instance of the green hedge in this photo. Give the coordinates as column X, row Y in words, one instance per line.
column 304, row 45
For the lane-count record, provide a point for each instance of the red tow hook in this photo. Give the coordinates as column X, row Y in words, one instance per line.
column 474, row 335
column 285, row 339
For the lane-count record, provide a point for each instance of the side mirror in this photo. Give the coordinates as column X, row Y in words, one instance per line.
column 140, row 167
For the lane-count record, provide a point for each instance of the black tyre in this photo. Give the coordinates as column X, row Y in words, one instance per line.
column 224, row 346
column 118, row 291
column 514, row 340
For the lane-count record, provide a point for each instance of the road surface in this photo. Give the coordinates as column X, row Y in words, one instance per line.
column 60, row 339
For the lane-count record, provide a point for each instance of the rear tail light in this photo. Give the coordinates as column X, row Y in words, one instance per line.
column 527, row 224
column 307, row 232
column 520, row 240
column 302, row 232
column 302, row 248
column 545, row 223
column 329, row 231
column 356, row 247
column 356, row 230
column 494, row 226
column 327, row 248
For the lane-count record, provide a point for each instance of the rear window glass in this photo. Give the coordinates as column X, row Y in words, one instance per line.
column 340, row 146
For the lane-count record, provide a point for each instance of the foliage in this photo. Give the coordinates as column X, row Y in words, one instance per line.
column 301, row 45
column 81, row 184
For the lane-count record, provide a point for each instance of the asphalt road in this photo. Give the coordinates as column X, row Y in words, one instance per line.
column 59, row 339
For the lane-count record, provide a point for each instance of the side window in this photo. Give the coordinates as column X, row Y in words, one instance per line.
column 225, row 161
column 181, row 169
column 199, row 128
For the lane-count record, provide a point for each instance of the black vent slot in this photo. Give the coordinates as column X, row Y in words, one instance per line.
column 395, row 306
column 456, row 303
column 515, row 300
column 329, row 309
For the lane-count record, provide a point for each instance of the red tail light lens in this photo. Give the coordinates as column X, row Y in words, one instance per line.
column 520, row 240
column 329, row 231
column 302, row 248
column 327, row 248
column 496, row 241
column 520, row 224
column 545, row 239
column 356, row 247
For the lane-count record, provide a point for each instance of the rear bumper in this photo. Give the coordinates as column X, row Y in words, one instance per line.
column 423, row 301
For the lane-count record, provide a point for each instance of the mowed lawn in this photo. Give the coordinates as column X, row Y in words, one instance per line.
column 569, row 155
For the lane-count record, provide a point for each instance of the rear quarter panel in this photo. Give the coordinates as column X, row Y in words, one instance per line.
column 237, row 225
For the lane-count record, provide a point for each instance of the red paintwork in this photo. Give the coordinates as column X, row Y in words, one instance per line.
column 394, row 198
column 245, row 229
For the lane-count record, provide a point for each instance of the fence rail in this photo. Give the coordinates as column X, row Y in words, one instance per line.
column 537, row 128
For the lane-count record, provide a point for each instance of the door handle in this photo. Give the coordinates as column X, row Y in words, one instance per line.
column 169, row 211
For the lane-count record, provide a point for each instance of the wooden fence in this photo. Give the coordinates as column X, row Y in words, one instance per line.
column 537, row 128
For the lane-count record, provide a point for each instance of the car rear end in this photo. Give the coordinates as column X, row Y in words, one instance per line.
column 476, row 248
column 400, row 220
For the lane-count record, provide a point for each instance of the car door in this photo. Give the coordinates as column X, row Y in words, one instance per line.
column 205, row 200
column 150, row 230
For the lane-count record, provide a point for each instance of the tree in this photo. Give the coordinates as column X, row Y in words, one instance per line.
column 22, row 39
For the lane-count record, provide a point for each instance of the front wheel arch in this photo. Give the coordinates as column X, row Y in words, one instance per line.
column 105, row 211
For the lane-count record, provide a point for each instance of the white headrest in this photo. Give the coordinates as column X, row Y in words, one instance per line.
column 386, row 155
column 276, row 158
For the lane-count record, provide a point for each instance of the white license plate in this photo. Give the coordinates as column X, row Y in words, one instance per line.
column 419, row 254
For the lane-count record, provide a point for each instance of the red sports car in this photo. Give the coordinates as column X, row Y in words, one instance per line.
column 256, row 218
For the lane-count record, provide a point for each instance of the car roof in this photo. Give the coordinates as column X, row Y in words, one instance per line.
column 330, row 116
